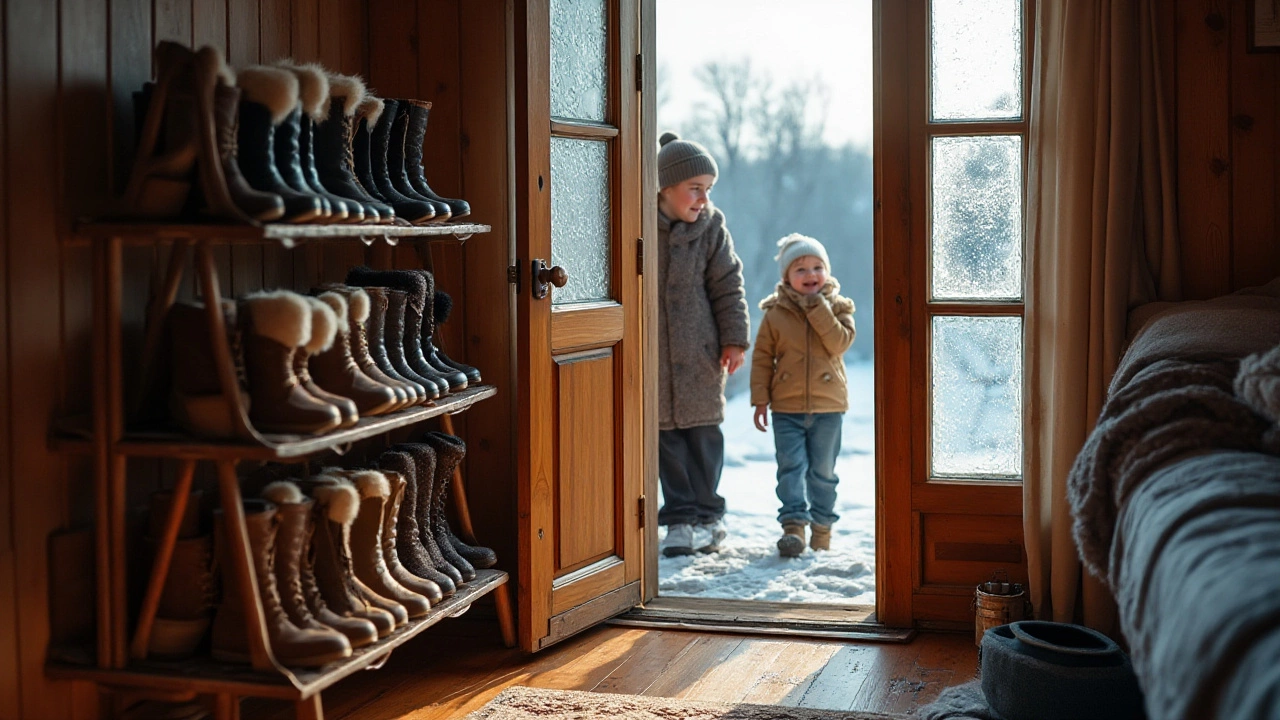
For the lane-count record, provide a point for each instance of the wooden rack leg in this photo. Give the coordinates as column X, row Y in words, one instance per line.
column 156, row 312
column 501, row 594
column 309, row 709
column 241, row 563
column 102, row 453
column 117, row 465
column 226, row 707
column 164, row 554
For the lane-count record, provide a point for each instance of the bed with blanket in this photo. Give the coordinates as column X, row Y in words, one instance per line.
column 1176, row 504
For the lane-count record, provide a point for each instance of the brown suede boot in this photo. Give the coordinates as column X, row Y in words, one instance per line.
column 390, row 553
column 190, row 587
column 820, row 537
column 291, row 645
column 358, row 309
column 411, row 547
column 336, row 371
column 196, row 402
column 255, row 204
column 161, row 181
column 275, row 324
column 791, row 544
column 324, row 327
column 337, row 503
column 366, row 543
column 295, row 567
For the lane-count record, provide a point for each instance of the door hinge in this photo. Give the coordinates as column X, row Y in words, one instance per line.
column 639, row 256
column 639, row 73
column 643, row 502
column 513, row 276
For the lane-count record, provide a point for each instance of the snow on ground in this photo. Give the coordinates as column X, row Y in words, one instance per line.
column 748, row 566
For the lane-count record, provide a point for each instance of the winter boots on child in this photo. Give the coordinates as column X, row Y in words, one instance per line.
column 791, row 544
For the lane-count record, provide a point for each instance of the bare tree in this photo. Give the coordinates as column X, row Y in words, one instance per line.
column 733, row 87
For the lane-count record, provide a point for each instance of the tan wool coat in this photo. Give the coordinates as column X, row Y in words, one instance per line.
column 798, row 362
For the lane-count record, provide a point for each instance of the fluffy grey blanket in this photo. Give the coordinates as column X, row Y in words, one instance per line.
column 1176, row 503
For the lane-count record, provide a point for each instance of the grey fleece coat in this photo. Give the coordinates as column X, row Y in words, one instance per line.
column 702, row 308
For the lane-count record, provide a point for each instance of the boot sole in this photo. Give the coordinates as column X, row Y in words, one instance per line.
column 790, row 546
column 677, row 551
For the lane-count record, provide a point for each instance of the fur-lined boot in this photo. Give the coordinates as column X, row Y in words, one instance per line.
column 324, row 328
column 438, row 310
column 415, row 133
column 268, row 97
column 313, row 97
column 366, row 543
column 253, row 204
column 372, row 142
column 359, row 306
column 336, row 371
column 274, row 325
column 332, row 138
column 418, row 286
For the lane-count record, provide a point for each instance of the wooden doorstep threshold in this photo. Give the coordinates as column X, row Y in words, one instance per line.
column 844, row 622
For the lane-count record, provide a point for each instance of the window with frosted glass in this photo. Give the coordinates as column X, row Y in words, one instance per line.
column 976, row 228
column 580, row 218
column 976, row 397
column 975, row 68
column 579, row 67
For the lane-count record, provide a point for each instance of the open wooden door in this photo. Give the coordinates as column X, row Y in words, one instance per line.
column 579, row 206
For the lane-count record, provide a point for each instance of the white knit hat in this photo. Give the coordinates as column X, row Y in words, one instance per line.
column 795, row 246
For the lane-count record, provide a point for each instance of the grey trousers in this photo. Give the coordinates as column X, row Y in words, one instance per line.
column 689, row 465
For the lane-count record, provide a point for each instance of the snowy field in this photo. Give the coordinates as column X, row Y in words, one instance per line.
column 748, row 566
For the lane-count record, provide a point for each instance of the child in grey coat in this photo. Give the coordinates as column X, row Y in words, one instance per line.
column 702, row 335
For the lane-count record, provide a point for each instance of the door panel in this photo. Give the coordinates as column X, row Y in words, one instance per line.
column 581, row 455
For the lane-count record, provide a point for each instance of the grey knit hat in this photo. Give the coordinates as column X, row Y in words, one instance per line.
column 679, row 160
column 795, row 246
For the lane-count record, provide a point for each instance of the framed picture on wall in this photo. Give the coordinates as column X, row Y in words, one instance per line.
column 1264, row 25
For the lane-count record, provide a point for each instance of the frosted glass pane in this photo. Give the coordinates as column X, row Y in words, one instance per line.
column 976, row 59
column 580, row 218
column 976, row 397
column 578, row 59
column 977, row 218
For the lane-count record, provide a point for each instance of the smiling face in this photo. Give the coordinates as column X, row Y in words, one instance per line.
column 807, row 274
column 684, row 201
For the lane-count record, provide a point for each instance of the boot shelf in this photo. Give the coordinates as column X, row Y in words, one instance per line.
column 74, row 435
column 287, row 235
column 206, row 675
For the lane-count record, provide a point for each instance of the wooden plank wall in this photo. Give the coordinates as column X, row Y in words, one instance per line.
column 1228, row 135
column 68, row 70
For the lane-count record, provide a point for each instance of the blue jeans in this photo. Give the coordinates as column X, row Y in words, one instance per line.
column 807, row 445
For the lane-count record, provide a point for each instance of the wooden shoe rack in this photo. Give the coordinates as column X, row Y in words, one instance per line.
column 120, row 661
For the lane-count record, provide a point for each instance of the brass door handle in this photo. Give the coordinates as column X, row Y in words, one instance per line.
column 544, row 277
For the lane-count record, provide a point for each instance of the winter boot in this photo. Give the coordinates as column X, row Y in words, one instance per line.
column 820, row 537
column 313, row 96
column 366, row 544
column 390, row 553
column 335, row 163
column 287, row 151
column 324, row 327
column 336, row 371
column 437, row 311
column 377, row 147
column 358, row 309
column 275, row 325
column 791, row 544
column 254, row 204
column 337, row 503
column 413, row 158
column 196, row 402
column 395, row 337
column 397, row 163
column 380, row 345
column 268, row 96
column 295, row 568
column 419, row 285
column 190, row 587
column 449, row 453
column 291, row 646
column 411, row 548
column 164, row 164
column 425, row 470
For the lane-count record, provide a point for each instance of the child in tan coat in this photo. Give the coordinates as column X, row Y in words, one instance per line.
column 797, row 369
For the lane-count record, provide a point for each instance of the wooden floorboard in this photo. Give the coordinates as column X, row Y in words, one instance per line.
column 457, row 667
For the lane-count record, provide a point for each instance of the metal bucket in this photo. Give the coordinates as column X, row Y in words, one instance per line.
column 997, row 603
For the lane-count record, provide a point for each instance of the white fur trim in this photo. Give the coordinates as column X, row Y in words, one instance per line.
column 341, row 501
column 313, row 88
column 283, row 492
column 340, row 310
column 324, row 325
column 280, row 315
column 274, row 87
column 371, row 109
column 371, row 483
column 350, row 87
column 359, row 303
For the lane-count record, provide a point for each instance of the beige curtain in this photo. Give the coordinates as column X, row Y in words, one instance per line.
column 1102, row 238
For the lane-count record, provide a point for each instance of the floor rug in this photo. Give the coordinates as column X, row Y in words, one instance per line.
column 525, row 703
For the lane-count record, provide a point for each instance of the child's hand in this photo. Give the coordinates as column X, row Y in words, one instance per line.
column 731, row 358
column 762, row 418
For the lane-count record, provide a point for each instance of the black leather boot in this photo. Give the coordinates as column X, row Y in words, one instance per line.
column 415, row 211
column 398, row 161
column 258, row 205
column 331, row 145
column 397, row 339
column 376, row 335
column 438, row 309
column 414, row 138
column 288, row 156
column 313, row 96
column 268, row 96
column 419, row 287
